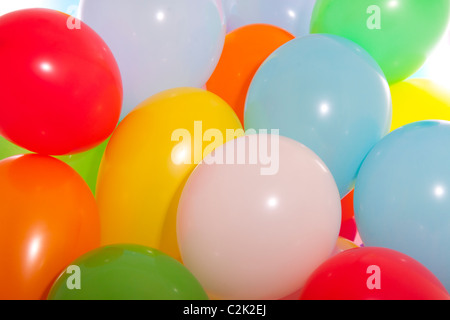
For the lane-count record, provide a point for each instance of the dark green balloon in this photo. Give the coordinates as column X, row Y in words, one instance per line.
column 399, row 34
column 127, row 272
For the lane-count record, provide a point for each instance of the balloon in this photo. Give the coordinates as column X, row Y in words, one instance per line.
column 245, row 50
column 418, row 99
column 348, row 229
column 9, row 149
column 342, row 245
column 399, row 34
column 256, row 229
column 347, row 206
column 148, row 159
column 159, row 44
column 67, row 80
column 127, row 272
column 372, row 274
column 358, row 240
column 48, row 218
column 312, row 89
column 401, row 195
column 86, row 163
column 67, row 6
column 291, row 15
column 292, row 296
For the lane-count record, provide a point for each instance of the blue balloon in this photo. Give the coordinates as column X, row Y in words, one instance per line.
column 292, row 15
column 327, row 93
column 402, row 195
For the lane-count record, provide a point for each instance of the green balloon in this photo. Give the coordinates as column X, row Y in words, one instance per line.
column 9, row 149
column 399, row 34
column 86, row 163
column 126, row 272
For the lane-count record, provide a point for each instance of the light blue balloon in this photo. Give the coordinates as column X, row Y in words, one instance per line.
column 402, row 195
column 327, row 93
column 291, row 15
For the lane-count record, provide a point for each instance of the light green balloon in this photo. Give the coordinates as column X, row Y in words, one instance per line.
column 9, row 149
column 399, row 34
column 86, row 163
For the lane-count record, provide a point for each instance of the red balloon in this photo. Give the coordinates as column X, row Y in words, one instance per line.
column 348, row 229
column 60, row 85
column 372, row 274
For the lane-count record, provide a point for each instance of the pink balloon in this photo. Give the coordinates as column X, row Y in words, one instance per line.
column 258, row 227
column 348, row 229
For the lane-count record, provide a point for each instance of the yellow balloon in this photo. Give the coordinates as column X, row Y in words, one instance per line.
column 148, row 160
column 418, row 99
column 343, row 244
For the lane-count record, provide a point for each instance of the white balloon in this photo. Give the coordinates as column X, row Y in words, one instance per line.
column 292, row 15
column 158, row 44
column 256, row 229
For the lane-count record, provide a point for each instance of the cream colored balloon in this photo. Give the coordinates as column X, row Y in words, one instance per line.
column 257, row 227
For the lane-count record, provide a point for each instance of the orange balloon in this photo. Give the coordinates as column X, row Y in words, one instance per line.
column 347, row 207
column 245, row 49
column 48, row 218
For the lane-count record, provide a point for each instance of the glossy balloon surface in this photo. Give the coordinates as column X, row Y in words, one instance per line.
column 402, row 198
column 49, row 218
